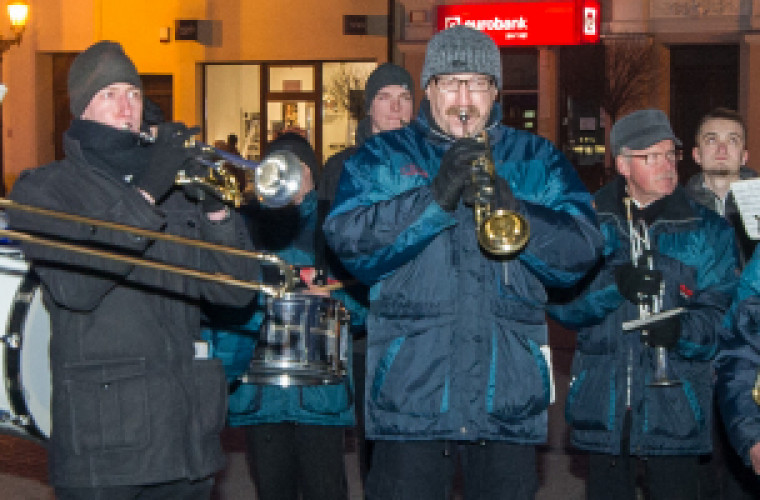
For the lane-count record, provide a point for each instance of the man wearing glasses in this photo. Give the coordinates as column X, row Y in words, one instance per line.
column 456, row 372
column 640, row 400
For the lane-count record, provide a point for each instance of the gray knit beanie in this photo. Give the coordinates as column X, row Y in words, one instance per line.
column 384, row 75
column 461, row 49
column 102, row 64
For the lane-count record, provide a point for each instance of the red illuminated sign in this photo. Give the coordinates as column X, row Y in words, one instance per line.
column 572, row 22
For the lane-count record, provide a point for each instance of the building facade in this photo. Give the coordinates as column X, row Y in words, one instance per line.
column 254, row 69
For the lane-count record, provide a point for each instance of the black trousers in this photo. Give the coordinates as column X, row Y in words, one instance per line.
column 175, row 490
column 289, row 458
column 662, row 477
column 723, row 475
column 424, row 470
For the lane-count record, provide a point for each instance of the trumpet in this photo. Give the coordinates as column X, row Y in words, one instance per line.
column 500, row 231
column 756, row 389
column 274, row 181
column 287, row 273
column 641, row 244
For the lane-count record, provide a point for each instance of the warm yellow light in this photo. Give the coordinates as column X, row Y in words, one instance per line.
column 18, row 12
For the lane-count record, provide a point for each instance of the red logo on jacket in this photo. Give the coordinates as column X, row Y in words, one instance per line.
column 413, row 169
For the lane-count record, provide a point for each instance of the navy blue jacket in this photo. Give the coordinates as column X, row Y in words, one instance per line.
column 738, row 362
column 695, row 250
column 454, row 335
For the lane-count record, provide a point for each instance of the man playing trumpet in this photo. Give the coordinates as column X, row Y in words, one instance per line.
column 641, row 401
column 137, row 406
column 455, row 367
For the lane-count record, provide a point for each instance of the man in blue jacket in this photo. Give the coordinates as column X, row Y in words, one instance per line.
column 642, row 399
column 738, row 366
column 455, row 367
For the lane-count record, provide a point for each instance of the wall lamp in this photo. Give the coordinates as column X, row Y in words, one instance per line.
column 18, row 12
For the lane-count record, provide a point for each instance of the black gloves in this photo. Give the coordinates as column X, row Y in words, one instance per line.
column 478, row 190
column 637, row 284
column 455, row 171
column 664, row 333
column 168, row 155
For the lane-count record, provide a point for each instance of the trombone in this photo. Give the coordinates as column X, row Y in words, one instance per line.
column 287, row 272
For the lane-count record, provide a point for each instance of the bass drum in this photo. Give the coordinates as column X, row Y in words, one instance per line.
column 24, row 353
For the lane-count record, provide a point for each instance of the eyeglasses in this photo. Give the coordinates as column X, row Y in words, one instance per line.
column 652, row 158
column 451, row 84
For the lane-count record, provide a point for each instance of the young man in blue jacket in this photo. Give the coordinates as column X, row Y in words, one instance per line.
column 663, row 251
column 455, row 366
column 389, row 104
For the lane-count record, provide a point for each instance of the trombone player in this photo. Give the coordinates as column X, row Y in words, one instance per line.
column 642, row 401
column 455, row 367
column 137, row 404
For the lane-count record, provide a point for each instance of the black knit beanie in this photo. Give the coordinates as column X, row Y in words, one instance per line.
column 383, row 75
column 299, row 146
column 102, row 64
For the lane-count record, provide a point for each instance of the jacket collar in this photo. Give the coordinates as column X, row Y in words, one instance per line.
column 676, row 207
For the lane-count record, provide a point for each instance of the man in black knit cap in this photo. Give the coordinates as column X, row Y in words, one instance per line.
column 388, row 103
column 137, row 404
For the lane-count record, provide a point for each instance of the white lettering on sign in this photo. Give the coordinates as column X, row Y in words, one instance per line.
column 495, row 24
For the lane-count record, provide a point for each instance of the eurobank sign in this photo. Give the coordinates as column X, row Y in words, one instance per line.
column 572, row 22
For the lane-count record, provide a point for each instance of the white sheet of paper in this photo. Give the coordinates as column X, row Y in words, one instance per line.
column 747, row 196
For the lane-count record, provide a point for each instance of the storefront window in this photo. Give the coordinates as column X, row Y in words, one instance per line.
column 342, row 103
column 233, row 101
column 290, row 116
column 325, row 111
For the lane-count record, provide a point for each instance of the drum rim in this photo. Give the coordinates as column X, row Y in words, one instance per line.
column 22, row 301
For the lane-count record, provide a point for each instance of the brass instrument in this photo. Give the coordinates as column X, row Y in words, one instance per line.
column 273, row 182
column 641, row 244
column 501, row 232
column 287, row 272
column 756, row 389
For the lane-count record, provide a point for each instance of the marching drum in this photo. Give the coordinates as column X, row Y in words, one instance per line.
column 303, row 341
column 24, row 360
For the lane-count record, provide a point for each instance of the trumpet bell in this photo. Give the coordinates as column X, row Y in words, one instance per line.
column 503, row 232
column 277, row 179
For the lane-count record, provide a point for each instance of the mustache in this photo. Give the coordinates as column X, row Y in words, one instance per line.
column 464, row 113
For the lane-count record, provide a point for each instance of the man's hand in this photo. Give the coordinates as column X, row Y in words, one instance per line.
column 168, row 155
column 455, row 171
column 637, row 284
column 754, row 457
column 664, row 333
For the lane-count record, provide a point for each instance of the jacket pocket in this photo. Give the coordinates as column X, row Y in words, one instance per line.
column 407, row 383
column 211, row 396
column 676, row 411
column 518, row 379
column 590, row 403
column 108, row 405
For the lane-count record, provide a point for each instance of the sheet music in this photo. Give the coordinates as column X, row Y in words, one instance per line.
column 747, row 196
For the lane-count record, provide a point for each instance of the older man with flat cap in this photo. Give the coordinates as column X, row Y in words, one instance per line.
column 137, row 405
column 640, row 401
column 457, row 368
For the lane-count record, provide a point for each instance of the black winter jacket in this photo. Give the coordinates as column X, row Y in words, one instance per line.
column 131, row 402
